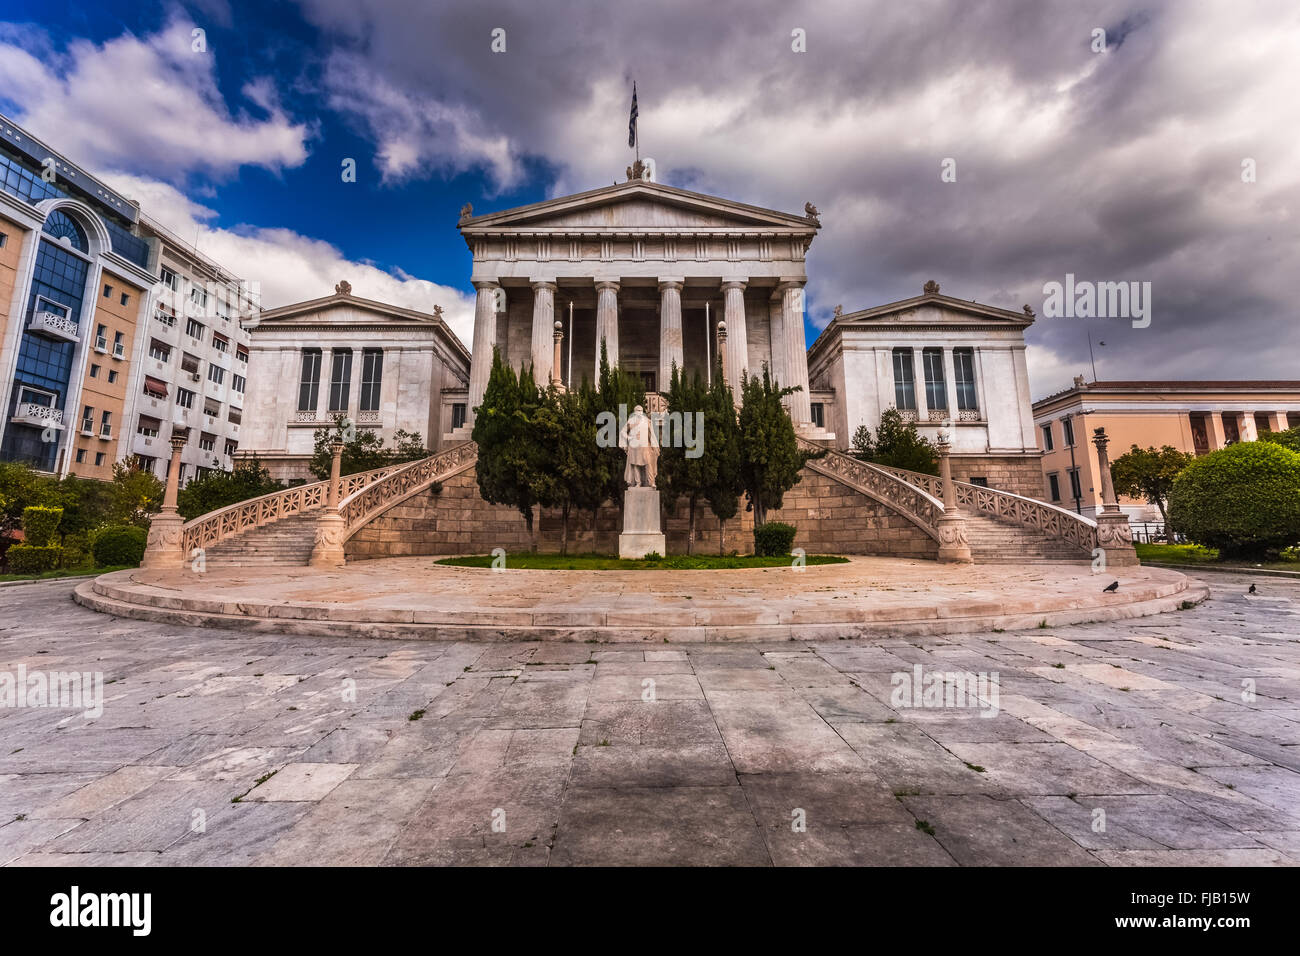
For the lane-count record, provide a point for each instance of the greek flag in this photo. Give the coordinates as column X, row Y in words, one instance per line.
column 631, row 120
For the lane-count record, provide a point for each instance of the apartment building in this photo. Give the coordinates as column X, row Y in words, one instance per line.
column 1194, row 417
column 191, row 370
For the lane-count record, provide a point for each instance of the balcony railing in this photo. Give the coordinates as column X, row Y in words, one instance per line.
column 54, row 325
column 41, row 416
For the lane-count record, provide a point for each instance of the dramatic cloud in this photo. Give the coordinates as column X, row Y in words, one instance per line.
column 288, row 267
column 145, row 105
column 1119, row 165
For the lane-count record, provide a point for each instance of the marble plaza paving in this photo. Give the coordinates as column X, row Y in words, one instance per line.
column 1141, row 719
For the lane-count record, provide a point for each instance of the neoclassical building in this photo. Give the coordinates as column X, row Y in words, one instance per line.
column 944, row 363
column 380, row 366
column 650, row 270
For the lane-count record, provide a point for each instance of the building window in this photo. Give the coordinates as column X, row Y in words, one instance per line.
column 147, row 463
column 1067, row 431
column 125, row 298
column 160, row 350
column 194, row 329
column 211, row 408
column 936, row 392
column 101, row 338
column 309, row 382
column 220, row 342
column 4, row 239
column 108, row 291
column 81, row 456
column 207, row 442
column 216, row 373
column 184, row 398
column 1076, row 489
column 1054, row 487
column 148, row 427
column 457, row 415
column 904, row 380
column 112, row 376
column 963, row 372
column 372, row 374
column 190, row 363
column 979, row 480
column 231, row 447
column 170, row 279
column 94, row 371
column 119, row 344
column 818, row 412
column 235, row 415
column 88, row 420
column 199, row 296
column 1048, row 444
column 106, row 425
column 241, row 353
column 237, row 383
column 340, row 379
column 99, row 458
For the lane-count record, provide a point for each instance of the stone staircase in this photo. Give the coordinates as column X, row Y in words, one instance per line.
column 284, row 543
column 994, row 541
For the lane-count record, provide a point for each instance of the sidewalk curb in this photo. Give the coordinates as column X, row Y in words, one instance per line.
column 1194, row 568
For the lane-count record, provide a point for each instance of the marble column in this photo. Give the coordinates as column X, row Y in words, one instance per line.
column 543, row 342
column 164, row 548
column 670, row 331
column 795, row 351
column 735, row 360
column 485, row 339
column 606, row 322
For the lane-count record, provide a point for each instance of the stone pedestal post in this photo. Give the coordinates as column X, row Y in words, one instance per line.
column 641, row 534
column 722, row 351
column 164, row 549
column 556, row 362
column 485, row 339
column 670, row 331
column 1114, row 536
column 327, row 552
column 606, row 323
column 954, row 547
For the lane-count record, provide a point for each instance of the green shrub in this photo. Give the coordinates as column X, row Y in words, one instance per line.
column 40, row 525
column 773, row 538
column 120, row 545
column 1243, row 500
column 30, row 559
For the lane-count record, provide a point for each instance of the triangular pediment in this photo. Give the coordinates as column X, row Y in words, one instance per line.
column 344, row 310
column 638, row 208
column 934, row 310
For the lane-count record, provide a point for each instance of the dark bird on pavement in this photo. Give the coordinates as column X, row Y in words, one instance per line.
column 1113, row 586
column 1252, row 589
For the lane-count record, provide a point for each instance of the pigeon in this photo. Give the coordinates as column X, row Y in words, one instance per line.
column 1252, row 589
column 1112, row 587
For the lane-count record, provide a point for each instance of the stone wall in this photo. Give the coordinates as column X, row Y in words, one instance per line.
column 832, row 519
column 1018, row 474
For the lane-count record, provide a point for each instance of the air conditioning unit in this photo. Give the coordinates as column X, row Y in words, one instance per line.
column 196, row 376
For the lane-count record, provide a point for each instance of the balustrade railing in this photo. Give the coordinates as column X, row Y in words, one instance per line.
column 362, row 505
column 914, row 501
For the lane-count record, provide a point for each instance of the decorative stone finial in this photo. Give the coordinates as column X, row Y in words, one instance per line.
column 1029, row 310
column 466, row 211
column 839, row 311
column 437, row 312
column 1078, row 381
column 811, row 213
column 343, row 288
column 931, row 288
column 636, row 171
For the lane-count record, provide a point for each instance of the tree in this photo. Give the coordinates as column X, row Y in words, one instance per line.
column 770, row 458
column 1149, row 474
column 569, row 476
column 363, row 451
column 690, row 475
column 898, row 444
column 509, row 450
column 219, row 489
column 22, row 487
column 1243, row 500
column 722, row 444
column 137, row 494
column 1287, row 439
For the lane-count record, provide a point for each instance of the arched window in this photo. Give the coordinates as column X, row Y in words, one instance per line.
column 66, row 230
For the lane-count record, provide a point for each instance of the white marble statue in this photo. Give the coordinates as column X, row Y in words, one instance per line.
column 642, row 445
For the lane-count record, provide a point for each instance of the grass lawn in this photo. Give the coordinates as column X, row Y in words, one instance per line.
column 61, row 573
column 527, row 560
column 1195, row 554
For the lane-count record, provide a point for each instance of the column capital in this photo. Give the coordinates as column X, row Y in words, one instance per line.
column 671, row 282
column 735, row 283
column 488, row 284
column 611, row 285
column 539, row 284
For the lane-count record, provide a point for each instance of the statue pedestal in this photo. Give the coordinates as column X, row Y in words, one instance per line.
column 641, row 533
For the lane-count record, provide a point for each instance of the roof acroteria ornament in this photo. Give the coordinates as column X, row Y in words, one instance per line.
column 343, row 288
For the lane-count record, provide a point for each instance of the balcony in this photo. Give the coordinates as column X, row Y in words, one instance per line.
column 53, row 325
column 38, row 416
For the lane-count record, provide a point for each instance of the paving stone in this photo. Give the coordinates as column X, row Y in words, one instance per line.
column 979, row 830
column 302, row 781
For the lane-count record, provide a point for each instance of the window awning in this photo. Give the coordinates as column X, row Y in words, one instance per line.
column 155, row 386
column 148, row 421
column 218, row 337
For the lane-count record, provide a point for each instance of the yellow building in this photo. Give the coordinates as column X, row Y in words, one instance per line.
column 1194, row 417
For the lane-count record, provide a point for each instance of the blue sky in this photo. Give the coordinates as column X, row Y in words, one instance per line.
column 1116, row 164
